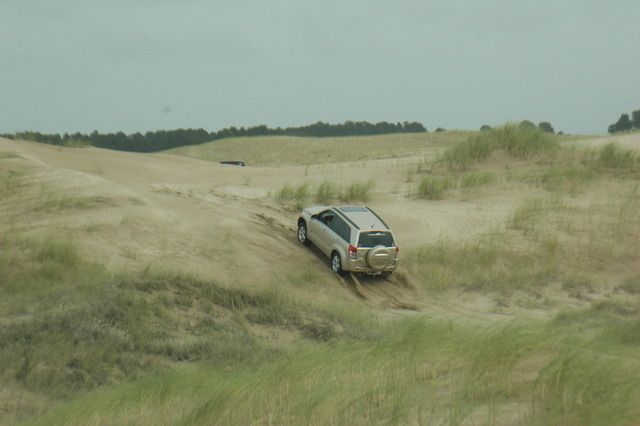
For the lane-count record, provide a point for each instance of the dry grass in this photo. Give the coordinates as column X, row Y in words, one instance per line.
column 6, row 155
column 325, row 192
column 516, row 141
column 284, row 150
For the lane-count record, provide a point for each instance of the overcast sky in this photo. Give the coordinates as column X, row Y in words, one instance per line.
column 137, row 65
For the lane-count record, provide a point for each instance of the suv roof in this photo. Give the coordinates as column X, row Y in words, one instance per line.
column 361, row 217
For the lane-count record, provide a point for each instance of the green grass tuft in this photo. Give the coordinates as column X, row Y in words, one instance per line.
column 6, row 155
column 517, row 141
column 433, row 187
column 463, row 154
column 357, row 191
column 611, row 156
column 631, row 285
column 472, row 180
column 326, row 192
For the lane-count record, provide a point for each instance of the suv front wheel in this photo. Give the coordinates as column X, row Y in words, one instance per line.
column 336, row 263
column 302, row 233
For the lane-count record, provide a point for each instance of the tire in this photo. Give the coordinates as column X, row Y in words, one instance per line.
column 379, row 257
column 302, row 233
column 336, row 263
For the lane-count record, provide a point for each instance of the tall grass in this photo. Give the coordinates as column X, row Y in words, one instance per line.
column 427, row 371
column 326, row 192
column 433, row 187
column 289, row 192
column 10, row 183
column 357, row 191
column 68, row 326
column 567, row 177
column 490, row 265
column 50, row 200
column 463, row 154
column 525, row 216
column 472, row 180
column 6, row 155
column 611, row 156
column 517, row 141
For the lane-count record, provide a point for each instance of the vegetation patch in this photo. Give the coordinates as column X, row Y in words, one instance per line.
column 357, row 191
column 433, row 187
column 6, row 155
column 631, row 285
column 56, row 202
column 526, row 215
column 567, row 177
column 491, row 266
column 325, row 193
column 472, row 180
column 68, row 326
column 516, row 140
column 10, row 183
column 424, row 369
column 611, row 156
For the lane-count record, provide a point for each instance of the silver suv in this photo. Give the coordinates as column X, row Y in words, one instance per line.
column 354, row 238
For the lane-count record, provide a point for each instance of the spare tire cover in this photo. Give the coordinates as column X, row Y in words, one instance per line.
column 379, row 257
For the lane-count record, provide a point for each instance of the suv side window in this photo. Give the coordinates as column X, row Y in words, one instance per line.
column 341, row 228
column 327, row 217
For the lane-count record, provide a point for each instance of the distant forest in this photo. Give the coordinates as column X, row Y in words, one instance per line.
column 165, row 139
column 626, row 123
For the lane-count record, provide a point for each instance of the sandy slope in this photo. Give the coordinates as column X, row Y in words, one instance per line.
column 220, row 222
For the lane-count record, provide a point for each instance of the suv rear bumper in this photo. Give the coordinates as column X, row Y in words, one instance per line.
column 355, row 266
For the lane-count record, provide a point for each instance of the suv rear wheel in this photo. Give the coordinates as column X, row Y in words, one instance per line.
column 302, row 233
column 336, row 263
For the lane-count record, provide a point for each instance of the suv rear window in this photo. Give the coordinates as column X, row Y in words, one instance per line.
column 375, row 238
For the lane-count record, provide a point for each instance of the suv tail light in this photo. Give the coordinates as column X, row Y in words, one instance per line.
column 353, row 251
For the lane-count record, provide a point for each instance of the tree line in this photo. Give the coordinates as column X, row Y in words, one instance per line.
column 626, row 123
column 165, row 139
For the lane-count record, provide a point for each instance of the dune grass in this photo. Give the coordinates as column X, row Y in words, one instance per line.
column 6, row 155
column 10, row 183
column 81, row 345
column 69, row 326
column 161, row 347
column 325, row 192
column 560, row 177
column 472, row 180
column 433, row 187
column 489, row 265
column 287, row 150
column 612, row 156
column 416, row 370
column 631, row 285
column 517, row 141
column 289, row 193
column 357, row 191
